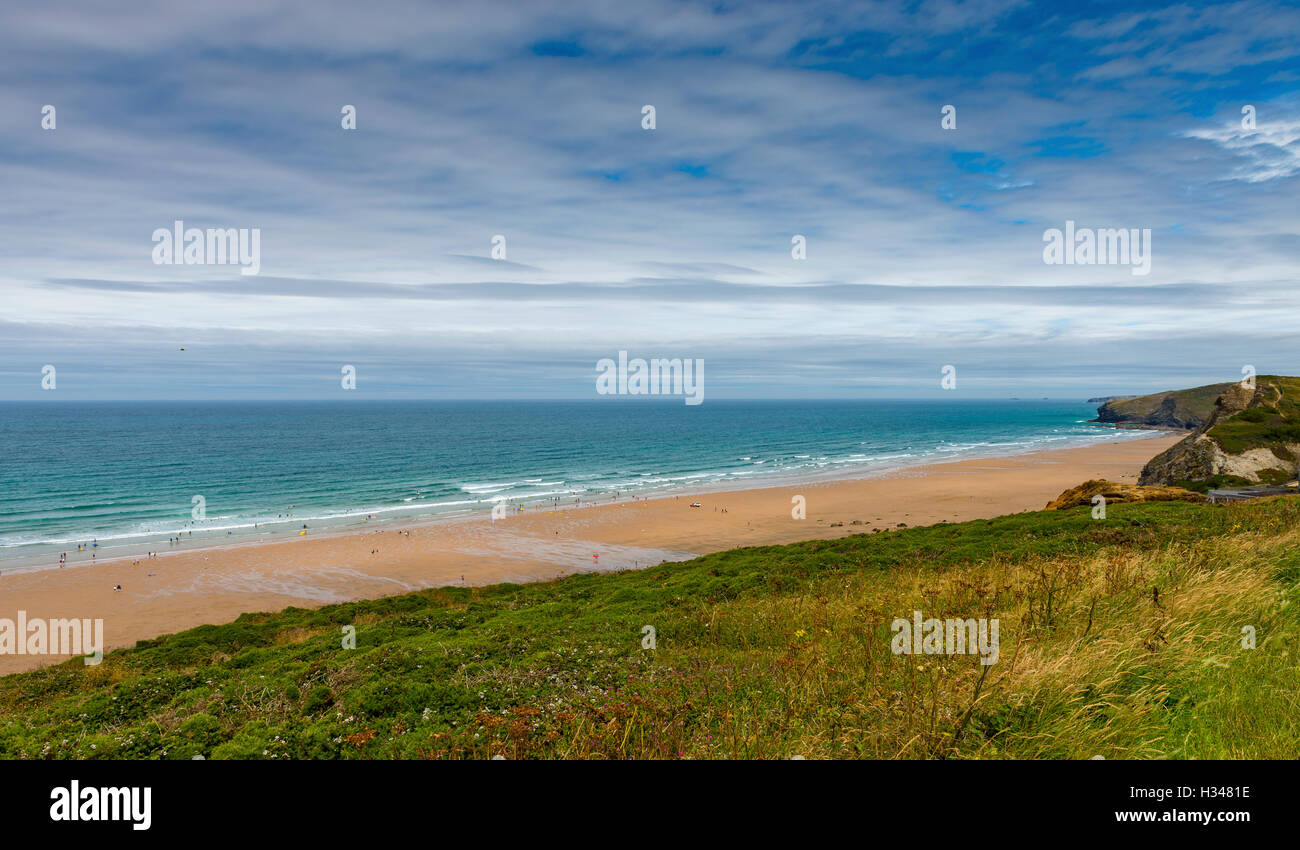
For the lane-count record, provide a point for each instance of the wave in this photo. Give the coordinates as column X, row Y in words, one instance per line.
column 45, row 508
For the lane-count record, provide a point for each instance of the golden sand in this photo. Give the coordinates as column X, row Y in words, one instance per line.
column 215, row 585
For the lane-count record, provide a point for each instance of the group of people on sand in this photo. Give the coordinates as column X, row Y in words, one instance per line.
column 63, row 558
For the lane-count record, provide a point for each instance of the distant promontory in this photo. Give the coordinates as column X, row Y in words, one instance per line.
column 1177, row 410
column 1242, row 433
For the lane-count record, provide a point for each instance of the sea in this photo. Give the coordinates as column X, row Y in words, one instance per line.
column 123, row 478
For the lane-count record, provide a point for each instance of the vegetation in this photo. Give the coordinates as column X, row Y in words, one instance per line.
column 1120, row 637
column 1271, row 425
column 1214, row 482
column 1174, row 409
column 1114, row 492
column 1252, row 438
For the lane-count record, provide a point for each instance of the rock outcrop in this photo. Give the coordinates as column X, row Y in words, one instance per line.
column 1114, row 493
column 1251, row 435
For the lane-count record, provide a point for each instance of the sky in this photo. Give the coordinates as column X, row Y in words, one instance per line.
column 825, row 120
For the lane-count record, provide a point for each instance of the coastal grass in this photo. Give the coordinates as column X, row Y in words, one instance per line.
column 1120, row 637
column 1189, row 404
column 1273, row 425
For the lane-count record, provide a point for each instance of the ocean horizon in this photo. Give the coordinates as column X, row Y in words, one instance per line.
column 122, row 478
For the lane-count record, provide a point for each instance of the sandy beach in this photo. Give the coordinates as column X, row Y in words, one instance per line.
column 181, row 589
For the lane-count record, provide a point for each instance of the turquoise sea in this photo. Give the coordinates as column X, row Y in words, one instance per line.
column 121, row 477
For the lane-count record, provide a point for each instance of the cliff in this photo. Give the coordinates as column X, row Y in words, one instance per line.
column 1182, row 410
column 1251, row 436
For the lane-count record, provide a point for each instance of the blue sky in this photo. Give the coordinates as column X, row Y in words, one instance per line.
column 772, row 119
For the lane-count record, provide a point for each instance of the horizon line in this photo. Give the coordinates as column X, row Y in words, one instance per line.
column 602, row 400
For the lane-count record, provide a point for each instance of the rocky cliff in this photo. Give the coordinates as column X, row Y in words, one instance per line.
column 1252, row 435
column 1182, row 410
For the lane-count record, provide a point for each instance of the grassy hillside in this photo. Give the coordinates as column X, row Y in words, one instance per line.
column 1253, row 438
column 1119, row 637
column 1173, row 409
column 1271, row 425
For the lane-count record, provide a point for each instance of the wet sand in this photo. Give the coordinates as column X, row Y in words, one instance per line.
column 215, row 585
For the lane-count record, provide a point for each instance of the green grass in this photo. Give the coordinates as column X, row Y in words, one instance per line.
column 1270, row 426
column 1214, row 482
column 1195, row 402
column 765, row 652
